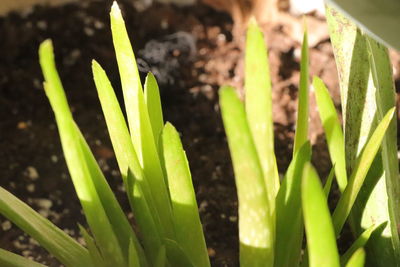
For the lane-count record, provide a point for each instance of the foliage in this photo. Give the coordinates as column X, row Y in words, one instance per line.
column 154, row 171
column 272, row 217
column 274, row 214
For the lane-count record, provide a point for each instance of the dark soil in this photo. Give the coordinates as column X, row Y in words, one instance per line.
column 192, row 52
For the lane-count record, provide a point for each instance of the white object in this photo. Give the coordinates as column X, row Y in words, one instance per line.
column 177, row 2
column 301, row 7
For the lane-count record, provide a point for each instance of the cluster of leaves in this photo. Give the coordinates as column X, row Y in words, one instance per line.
column 154, row 170
column 272, row 216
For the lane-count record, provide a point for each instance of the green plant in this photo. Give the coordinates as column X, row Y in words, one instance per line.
column 367, row 90
column 378, row 19
column 154, row 171
column 271, row 214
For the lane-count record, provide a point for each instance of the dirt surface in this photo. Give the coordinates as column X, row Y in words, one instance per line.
column 192, row 52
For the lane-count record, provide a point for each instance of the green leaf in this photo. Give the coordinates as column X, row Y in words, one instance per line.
column 380, row 19
column 9, row 259
column 289, row 220
column 364, row 102
column 357, row 259
column 161, row 257
column 188, row 229
column 139, row 121
column 381, row 69
column 321, row 241
column 328, row 183
column 153, row 103
column 119, row 134
column 133, row 256
column 120, row 224
column 357, row 178
column 256, row 227
column 333, row 131
column 147, row 223
column 301, row 135
column 54, row 240
column 359, row 243
column 93, row 249
column 74, row 156
column 176, row 255
column 259, row 108
column 122, row 144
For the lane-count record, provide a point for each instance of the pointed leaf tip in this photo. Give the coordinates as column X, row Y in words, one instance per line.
column 115, row 10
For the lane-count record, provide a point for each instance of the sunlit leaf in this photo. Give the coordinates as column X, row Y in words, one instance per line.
column 49, row 236
column 188, row 229
column 153, row 103
column 356, row 180
column 321, row 241
column 139, row 121
column 289, row 220
column 94, row 211
column 9, row 259
column 333, row 131
column 301, row 134
column 259, row 107
column 357, row 259
column 360, row 242
column 256, row 227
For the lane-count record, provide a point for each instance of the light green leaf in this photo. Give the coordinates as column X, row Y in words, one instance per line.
column 122, row 144
column 378, row 18
column 321, row 241
column 381, row 69
column 333, row 131
column 301, row 135
column 359, row 243
column 328, row 183
column 364, row 102
column 53, row 239
column 176, row 255
column 146, row 222
column 120, row 224
column 256, row 227
column 133, row 256
column 259, row 108
column 188, row 229
column 95, row 254
column 356, row 180
column 289, row 220
column 9, row 259
column 161, row 258
column 139, row 121
column 74, row 156
column 357, row 259
column 153, row 103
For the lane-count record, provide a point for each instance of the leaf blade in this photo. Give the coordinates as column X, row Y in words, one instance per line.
column 258, row 104
column 49, row 236
column 188, row 228
column 356, row 180
column 317, row 221
column 252, row 195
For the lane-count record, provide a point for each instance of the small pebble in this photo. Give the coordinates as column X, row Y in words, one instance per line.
column 42, row 25
column 54, row 158
column 233, row 218
column 6, row 225
column 30, row 188
column 211, row 252
column 22, row 125
column 32, row 173
column 44, row 203
column 88, row 31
